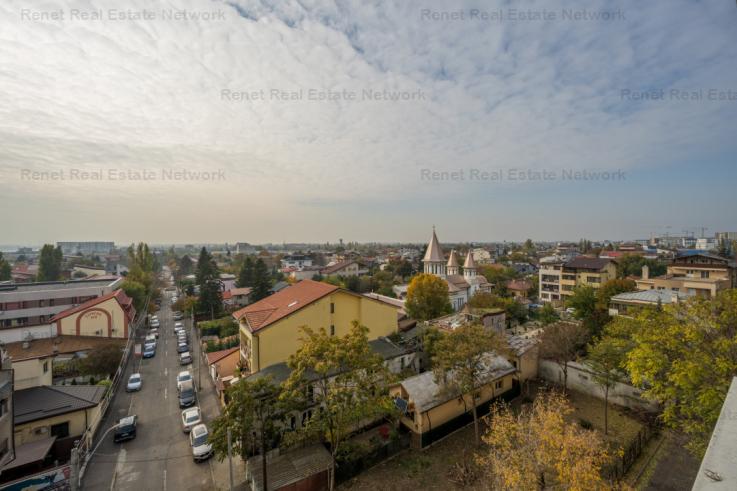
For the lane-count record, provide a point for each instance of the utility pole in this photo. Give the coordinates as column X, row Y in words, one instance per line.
column 230, row 459
column 74, row 473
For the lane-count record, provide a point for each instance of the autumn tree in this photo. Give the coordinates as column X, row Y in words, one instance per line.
column 461, row 359
column 255, row 415
column 539, row 449
column 342, row 377
column 606, row 359
column 427, row 297
column 512, row 308
column 562, row 342
column 686, row 356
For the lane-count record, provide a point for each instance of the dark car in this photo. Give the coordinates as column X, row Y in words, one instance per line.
column 149, row 352
column 187, row 395
column 125, row 429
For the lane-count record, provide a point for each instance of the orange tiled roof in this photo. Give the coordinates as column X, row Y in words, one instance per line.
column 216, row 356
column 281, row 304
column 124, row 300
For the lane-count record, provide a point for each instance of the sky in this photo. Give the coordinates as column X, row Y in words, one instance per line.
column 187, row 121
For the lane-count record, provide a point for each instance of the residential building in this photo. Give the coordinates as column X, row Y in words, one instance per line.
column 693, row 273
column 106, row 316
column 431, row 409
column 586, row 270
column 706, row 243
column 461, row 287
column 343, row 268
column 34, row 362
column 269, row 328
column 227, row 281
column 236, row 297
column 631, row 302
column 86, row 248
column 728, row 236
column 24, row 273
column 223, row 368
column 298, row 261
column 305, row 273
column 7, row 442
column 524, row 356
column 481, row 256
column 245, row 248
column 26, row 310
column 518, row 288
column 551, row 270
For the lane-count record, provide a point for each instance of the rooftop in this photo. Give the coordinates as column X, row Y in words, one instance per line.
column 587, row 262
column 58, row 285
column 286, row 469
column 46, row 347
column 45, row 401
column 649, row 296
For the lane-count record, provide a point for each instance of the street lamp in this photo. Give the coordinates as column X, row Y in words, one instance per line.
column 76, row 481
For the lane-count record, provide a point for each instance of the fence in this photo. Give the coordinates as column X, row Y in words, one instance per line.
column 619, row 467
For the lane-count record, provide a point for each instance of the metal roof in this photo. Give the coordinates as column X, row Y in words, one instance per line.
column 291, row 467
column 434, row 252
column 45, row 401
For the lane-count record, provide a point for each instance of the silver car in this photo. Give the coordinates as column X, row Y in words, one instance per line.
column 198, row 439
column 191, row 417
column 134, row 383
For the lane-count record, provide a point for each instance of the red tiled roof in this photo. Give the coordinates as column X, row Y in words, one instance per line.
column 519, row 285
column 123, row 300
column 282, row 303
column 336, row 267
column 227, row 295
column 216, row 356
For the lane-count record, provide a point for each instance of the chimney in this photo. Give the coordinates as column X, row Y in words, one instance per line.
column 645, row 272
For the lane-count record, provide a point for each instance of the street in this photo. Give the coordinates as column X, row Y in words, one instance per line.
column 159, row 458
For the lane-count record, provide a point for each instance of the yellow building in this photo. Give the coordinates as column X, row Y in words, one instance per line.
column 269, row 328
column 432, row 410
column 699, row 274
column 106, row 316
column 585, row 270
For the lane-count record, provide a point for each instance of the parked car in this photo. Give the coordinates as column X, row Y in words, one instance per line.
column 182, row 347
column 178, row 324
column 187, row 395
column 134, row 383
column 155, row 332
column 154, row 324
column 125, row 429
column 178, row 316
column 185, row 358
column 198, row 439
column 183, row 376
column 149, row 351
column 191, row 417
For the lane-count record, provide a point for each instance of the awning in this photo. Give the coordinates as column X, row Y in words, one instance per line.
column 28, row 453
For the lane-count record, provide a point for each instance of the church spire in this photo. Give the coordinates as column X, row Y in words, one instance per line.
column 469, row 267
column 434, row 259
column 453, row 265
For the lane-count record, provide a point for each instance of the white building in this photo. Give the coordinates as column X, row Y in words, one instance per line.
column 461, row 285
column 298, row 261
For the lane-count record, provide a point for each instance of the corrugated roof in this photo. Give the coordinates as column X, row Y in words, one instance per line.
column 650, row 296
column 46, row 347
column 291, row 467
column 45, row 401
column 336, row 267
column 29, row 453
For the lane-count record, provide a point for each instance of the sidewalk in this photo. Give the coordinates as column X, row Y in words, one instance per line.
column 210, row 407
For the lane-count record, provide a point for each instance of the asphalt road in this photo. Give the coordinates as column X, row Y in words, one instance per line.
column 159, row 458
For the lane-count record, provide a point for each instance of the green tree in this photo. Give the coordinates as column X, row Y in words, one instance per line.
column 210, row 300
column 562, row 342
column 547, row 314
column 613, row 287
column 5, row 270
column 347, row 381
column 686, row 356
column 255, row 415
column 101, row 361
column 427, row 297
column 261, row 281
column 460, row 359
column 606, row 359
column 245, row 274
column 50, row 263
column 585, row 303
column 136, row 291
column 631, row 265
column 512, row 308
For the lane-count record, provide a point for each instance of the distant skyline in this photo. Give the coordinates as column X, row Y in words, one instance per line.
column 291, row 121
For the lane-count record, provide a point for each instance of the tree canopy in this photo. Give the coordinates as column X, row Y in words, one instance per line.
column 427, row 297
column 50, row 263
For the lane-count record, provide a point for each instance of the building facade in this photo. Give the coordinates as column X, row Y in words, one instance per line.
column 586, row 270
column 86, row 248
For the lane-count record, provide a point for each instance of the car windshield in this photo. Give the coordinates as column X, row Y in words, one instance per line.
column 192, row 417
column 200, row 439
column 185, row 377
column 187, row 392
column 135, row 379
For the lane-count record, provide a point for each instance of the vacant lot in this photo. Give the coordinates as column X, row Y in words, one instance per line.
column 433, row 468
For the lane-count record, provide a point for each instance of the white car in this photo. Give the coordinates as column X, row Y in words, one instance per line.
column 201, row 449
column 178, row 324
column 154, row 324
column 185, row 358
column 134, row 383
column 184, row 376
column 190, row 418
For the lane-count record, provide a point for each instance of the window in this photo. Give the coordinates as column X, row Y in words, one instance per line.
column 293, row 422
column 332, row 308
column 61, row 430
column 704, row 274
column 46, row 366
column 3, row 407
column 499, row 384
column 401, row 363
column 332, row 330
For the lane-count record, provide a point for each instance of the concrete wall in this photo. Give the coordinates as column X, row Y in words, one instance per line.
column 17, row 334
column 581, row 378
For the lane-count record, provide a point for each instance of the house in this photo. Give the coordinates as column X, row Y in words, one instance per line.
column 303, row 469
column 431, row 409
column 269, row 328
column 396, row 357
column 631, row 302
column 518, row 288
column 305, row 273
column 49, row 419
column 24, row 273
column 223, row 368
column 106, row 316
column 693, row 273
column 298, row 261
column 33, row 361
column 524, row 356
column 343, row 268
column 26, row 309
column 87, row 271
column 227, row 281
column 492, row 318
column 585, row 270
column 236, row 297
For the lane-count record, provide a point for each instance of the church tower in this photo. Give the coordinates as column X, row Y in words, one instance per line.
column 453, row 266
column 434, row 260
column 469, row 267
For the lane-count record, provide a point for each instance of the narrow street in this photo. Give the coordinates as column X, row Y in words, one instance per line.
column 159, row 458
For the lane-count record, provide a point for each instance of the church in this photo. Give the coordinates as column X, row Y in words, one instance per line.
column 462, row 285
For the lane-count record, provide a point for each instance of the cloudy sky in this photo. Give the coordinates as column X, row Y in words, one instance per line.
column 205, row 121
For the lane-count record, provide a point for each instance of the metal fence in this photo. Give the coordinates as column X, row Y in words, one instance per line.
column 622, row 463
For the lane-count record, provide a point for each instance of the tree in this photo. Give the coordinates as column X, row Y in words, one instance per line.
column 606, row 359
column 427, row 297
column 245, row 274
column 49, row 263
column 562, row 342
column 460, row 360
column 613, row 287
column 5, row 270
column 261, row 281
column 210, row 300
column 344, row 378
column 547, row 314
column 631, row 265
column 686, row 356
column 254, row 414
column 539, row 449
column 136, row 291
column 584, row 301
column 101, row 361
column 512, row 308
column 185, row 266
